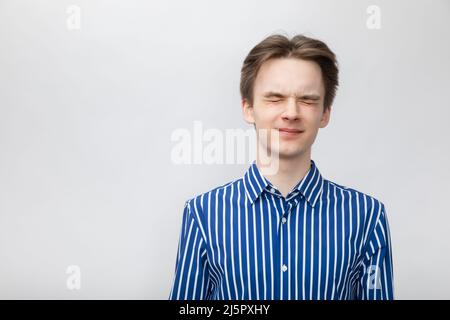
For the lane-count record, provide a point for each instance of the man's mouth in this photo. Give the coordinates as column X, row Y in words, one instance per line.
column 289, row 132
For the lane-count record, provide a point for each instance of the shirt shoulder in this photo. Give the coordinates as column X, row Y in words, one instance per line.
column 353, row 192
column 370, row 209
column 197, row 200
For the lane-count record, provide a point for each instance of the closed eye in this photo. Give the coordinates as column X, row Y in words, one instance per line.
column 308, row 102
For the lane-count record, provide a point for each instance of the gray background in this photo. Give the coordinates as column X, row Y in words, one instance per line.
column 86, row 118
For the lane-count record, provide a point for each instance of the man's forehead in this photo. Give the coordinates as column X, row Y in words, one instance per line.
column 281, row 75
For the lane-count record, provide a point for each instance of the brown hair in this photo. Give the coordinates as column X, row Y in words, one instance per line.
column 301, row 47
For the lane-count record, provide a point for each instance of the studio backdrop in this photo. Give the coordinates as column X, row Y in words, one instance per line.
column 95, row 95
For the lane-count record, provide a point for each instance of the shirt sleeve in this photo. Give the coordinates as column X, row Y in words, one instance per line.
column 191, row 280
column 375, row 281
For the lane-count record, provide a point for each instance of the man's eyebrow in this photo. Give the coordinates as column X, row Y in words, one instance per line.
column 310, row 97
column 300, row 96
column 273, row 94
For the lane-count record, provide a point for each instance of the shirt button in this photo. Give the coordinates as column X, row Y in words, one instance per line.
column 283, row 220
column 284, row 268
column 272, row 190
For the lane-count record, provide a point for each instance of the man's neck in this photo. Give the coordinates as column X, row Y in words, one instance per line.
column 289, row 173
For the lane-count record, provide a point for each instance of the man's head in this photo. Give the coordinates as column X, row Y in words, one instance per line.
column 289, row 84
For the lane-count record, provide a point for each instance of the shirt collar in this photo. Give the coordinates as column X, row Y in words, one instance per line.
column 310, row 186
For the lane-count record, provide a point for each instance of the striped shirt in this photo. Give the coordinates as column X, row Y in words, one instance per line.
column 245, row 241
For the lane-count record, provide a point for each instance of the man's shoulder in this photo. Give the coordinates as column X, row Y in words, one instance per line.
column 221, row 190
column 353, row 193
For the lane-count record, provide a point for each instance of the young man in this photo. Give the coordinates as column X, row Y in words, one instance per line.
column 289, row 233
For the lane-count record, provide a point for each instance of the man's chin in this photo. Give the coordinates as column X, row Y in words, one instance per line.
column 289, row 154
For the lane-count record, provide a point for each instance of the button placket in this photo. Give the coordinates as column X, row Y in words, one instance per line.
column 283, row 227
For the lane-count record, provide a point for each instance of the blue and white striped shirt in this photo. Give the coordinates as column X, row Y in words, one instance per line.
column 245, row 241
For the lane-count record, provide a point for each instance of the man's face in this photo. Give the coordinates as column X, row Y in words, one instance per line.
column 288, row 96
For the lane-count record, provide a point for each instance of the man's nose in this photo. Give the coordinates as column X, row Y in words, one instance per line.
column 291, row 110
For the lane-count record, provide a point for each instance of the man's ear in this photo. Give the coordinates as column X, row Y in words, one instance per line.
column 325, row 117
column 247, row 112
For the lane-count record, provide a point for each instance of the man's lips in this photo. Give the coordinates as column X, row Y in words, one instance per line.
column 290, row 130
